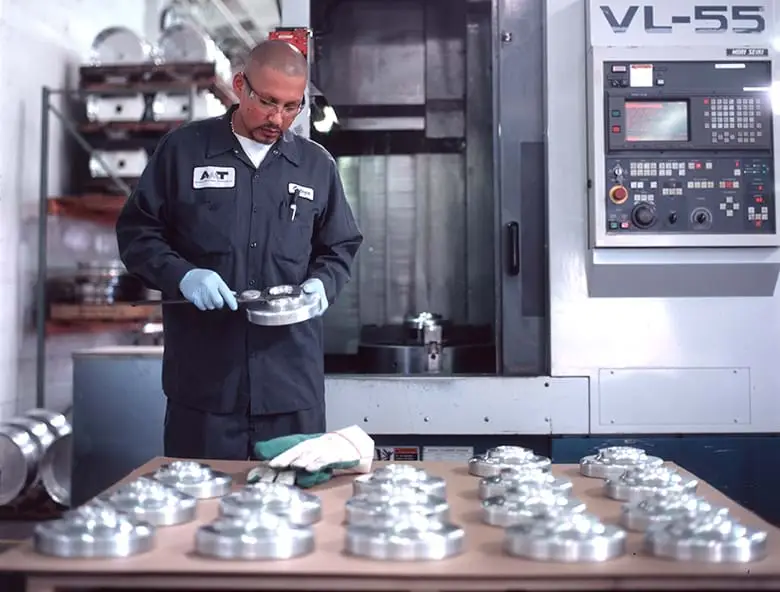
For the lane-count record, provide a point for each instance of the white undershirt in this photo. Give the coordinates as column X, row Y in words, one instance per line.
column 256, row 151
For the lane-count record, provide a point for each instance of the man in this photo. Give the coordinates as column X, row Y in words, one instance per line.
column 212, row 215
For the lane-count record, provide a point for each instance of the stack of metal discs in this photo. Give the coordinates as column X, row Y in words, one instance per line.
column 529, row 504
column 642, row 481
column 261, row 521
column 153, row 502
column 661, row 507
column 515, row 477
column 569, row 537
column 496, row 459
column 712, row 537
column 95, row 530
column 400, row 513
column 613, row 461
column 194, row 479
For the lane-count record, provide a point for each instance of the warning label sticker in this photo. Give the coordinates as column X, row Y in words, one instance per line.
column 397, row 453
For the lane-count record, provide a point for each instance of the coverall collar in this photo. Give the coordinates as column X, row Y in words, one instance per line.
column 221, row 139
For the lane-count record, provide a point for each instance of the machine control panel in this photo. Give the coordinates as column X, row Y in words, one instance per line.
column 688, row 149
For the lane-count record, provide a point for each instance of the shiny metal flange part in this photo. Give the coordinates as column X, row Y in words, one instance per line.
column 640, row 482
column 400, row 476
column 95, row 530
column 153, row 502
column 195, row 479
column 662, row 507
column 524, row 506
column 411, row 537
column 494, row 460
column 299, row 507
column 514, row 477
column 377, row 506
column 710, row 537
column 259, row 536
column 613, row 461
column 569, row 538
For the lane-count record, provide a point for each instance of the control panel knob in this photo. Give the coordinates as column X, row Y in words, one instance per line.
column 617, row 170
column 701, row 218
column 643, row 215
column 672, row 218
column 618, row 194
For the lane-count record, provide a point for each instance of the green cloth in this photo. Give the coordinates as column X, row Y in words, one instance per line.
column 304, row 479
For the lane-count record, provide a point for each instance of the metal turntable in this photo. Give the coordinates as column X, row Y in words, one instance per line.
column 640, row 482
column 662, row 507
column 153, row 502
column 194, row 479
column 299, row 507
column 523, row 506
column 494, row 460
column 615, row 460
column 375, row 506
column 400, row 475
column 512, row 477
column 259, row 536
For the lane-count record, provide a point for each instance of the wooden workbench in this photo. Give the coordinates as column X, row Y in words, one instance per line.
column 482, row 567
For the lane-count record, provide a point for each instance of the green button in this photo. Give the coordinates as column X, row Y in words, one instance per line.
column 616, row 113
column 613, row 225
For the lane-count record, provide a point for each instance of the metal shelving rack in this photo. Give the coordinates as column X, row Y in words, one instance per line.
column 104, row 206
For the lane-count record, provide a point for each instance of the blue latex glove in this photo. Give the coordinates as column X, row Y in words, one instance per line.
column 206, row 290
column 315, row 286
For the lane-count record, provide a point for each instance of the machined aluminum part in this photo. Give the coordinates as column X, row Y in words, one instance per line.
column 662, row 507
column 512, row 478
column 258, row 536
column 522, row 506
column 494, row 460
column 613, row 461
column 95, row 530
column 195, row 479
column 640, row 482
column 566, row 538
column 379, row 506
column 283, row 305
column 299, row 507
column 708, row 537
column 153, row 502
column 400, row 476
column 412, row 537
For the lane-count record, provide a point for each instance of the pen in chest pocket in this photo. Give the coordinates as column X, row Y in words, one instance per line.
column 293, row 204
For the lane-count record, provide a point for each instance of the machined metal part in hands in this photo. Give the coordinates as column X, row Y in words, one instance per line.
column 613, row 461
column 411, row 537
column 383, row 506
column 660, row 508
column 299, row 507
column 525, row 506
column 568, row 538
column 400, row 475
column 494, row 460
column 709, row 537
column 514, row 477
column 261, row 535
column 194, row 478
column 640, row 482
column 94, row 530
column 151, row 501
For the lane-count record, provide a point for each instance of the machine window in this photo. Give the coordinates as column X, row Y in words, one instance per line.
column 656, row 121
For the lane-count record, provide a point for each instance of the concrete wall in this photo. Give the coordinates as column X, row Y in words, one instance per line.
column 42, row 43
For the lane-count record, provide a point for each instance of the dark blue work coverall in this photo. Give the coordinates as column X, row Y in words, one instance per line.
column 229, row 383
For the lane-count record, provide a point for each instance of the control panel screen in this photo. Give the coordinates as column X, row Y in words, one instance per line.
column 656, row 121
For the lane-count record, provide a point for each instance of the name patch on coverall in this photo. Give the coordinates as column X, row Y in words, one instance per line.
column 206, row 177
column 303, row 192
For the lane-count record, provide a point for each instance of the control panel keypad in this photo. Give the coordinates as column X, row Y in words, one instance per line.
column 734, row 120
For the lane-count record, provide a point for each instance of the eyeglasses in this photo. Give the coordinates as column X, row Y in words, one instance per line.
column 272, row 107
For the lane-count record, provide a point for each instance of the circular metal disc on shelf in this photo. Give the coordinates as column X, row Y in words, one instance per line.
column 400, row 476
column 19, row 457
column 528, row 506
column 153, row 502
column 259, row 536
column 375, row 507
column 299, row 507
column 119, row 45
column 410, row 538
column 568, row 538
column 708, row 537
column 184, row 42
column 512, row 478
column 94, row 530
column 494, row 460
column 56, row 469
column 640, row 482
column 660, row 508
column 613, row 461
column 194, row 478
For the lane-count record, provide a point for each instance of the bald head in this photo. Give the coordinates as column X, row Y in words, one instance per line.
column 280, row 56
